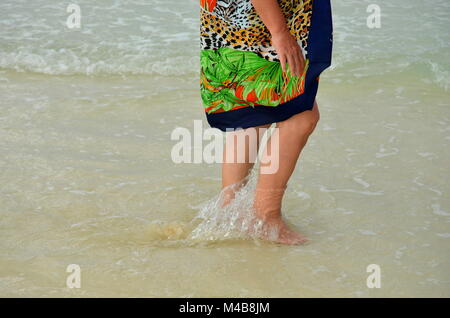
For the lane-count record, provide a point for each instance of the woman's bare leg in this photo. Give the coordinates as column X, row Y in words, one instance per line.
column 292, row 136
column 233, row 171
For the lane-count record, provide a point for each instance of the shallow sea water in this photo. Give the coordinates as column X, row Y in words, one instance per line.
column 86, row 175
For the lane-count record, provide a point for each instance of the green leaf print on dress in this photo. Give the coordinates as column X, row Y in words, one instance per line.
column 231, row 79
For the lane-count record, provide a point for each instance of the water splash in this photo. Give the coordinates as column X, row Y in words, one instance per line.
column 223, row 217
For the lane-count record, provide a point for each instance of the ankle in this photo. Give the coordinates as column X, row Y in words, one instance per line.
column 267, row 203
column 268, row 215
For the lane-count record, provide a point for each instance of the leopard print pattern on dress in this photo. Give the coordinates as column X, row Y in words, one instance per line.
column 236, row 24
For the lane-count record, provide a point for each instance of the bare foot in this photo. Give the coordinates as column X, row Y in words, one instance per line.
column 275, row 229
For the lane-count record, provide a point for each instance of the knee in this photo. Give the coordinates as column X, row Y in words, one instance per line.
column 303, row 123
column 307, row 126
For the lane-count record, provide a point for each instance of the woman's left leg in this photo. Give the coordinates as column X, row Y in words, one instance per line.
column 239, row 158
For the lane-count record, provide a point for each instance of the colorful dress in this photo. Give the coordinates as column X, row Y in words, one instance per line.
column 241, row 81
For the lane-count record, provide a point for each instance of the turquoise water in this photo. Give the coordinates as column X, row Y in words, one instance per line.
column 87, row 178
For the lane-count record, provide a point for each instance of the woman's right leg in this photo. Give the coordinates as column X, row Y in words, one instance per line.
column 291, row 136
